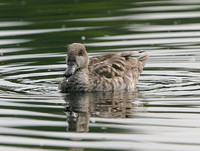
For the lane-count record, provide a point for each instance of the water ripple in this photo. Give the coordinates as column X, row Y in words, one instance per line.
column 40, row 31
column 13, row 41
column 174, row 27
column 14, row 24
column 145, row 16
column 161, row 115
column 145, row 42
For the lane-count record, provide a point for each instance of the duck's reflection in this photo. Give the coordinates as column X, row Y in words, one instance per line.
column 77, row 111
column 80, row 106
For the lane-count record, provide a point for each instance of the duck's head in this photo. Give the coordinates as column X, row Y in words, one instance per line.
column 76, row 58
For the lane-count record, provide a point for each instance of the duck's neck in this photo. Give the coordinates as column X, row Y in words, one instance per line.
column 81, row 72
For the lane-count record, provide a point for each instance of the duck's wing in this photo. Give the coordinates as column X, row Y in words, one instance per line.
column 112, row 65
column 97, row 59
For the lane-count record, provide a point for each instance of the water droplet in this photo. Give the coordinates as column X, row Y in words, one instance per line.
column 83, row 38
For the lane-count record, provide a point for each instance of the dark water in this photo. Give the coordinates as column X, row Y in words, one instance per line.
column 162, row 115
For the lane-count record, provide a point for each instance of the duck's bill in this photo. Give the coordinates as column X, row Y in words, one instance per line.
column 71, row 69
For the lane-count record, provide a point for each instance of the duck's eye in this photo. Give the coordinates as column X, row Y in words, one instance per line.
column 81, row 52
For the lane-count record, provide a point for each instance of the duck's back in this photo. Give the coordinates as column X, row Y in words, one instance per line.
column 116, row 71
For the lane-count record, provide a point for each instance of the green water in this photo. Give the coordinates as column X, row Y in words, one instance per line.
column 163, row 114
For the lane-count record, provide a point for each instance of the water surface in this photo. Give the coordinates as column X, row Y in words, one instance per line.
column 163, row 114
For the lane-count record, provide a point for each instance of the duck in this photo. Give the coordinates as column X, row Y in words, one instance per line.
column 108, row 72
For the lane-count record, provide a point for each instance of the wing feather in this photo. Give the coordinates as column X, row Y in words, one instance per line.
column 117, row 65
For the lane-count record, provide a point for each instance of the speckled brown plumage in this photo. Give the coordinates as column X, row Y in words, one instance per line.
column 110, row 72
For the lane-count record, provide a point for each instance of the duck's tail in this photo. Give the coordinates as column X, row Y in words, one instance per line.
column 143, row 58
